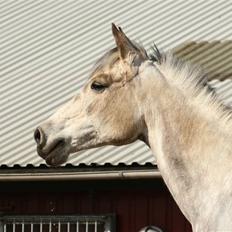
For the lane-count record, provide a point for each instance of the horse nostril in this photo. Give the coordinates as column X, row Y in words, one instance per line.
column 39, row 136
column 60, row 142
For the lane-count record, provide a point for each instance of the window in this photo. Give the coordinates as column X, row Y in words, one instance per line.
column 66, row 223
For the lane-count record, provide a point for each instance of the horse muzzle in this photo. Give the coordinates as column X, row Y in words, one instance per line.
column 54, row 152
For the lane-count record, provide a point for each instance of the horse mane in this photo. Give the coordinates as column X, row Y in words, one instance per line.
column 199, row 78
column 156, row 55
column 192, row 81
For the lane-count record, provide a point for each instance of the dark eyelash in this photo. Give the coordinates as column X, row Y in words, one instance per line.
column 98, row 86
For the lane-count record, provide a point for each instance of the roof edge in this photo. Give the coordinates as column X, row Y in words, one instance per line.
column 98, row 175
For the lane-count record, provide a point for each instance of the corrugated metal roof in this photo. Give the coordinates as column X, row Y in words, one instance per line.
column 215, row 57
column 48, row 48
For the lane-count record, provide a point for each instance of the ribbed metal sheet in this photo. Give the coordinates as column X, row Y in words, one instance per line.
column 48, row 47
column 215, row 57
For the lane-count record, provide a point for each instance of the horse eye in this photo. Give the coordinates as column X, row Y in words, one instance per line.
column 98, row 87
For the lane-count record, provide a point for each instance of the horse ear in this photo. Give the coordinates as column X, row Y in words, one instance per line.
column 122, row 41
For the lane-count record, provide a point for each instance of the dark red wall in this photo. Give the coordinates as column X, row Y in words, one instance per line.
column 135, row 203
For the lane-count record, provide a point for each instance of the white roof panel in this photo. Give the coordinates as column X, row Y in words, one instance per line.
column 48, row 48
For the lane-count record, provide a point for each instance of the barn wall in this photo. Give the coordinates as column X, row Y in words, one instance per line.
column 136, row 204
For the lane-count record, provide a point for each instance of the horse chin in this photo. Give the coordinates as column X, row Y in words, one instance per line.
column 56, row 157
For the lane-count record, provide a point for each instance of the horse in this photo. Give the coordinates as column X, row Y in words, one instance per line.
column 164, row 102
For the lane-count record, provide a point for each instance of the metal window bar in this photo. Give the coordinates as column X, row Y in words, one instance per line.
column 50, row 226
column 77, row 226
column 95, row 226
column 59, row 226
column 50, row 223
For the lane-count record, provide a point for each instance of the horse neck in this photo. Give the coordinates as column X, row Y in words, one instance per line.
column 186, row 142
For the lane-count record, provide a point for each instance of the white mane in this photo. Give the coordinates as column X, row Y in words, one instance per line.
column 192, row 82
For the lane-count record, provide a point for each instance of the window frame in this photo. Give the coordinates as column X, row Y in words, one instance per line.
column 109, row 220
